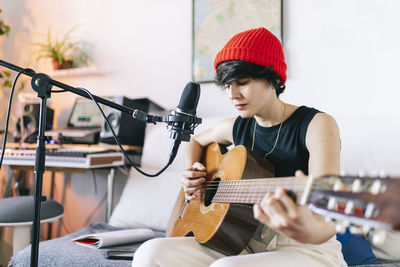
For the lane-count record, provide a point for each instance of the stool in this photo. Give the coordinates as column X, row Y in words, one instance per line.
column 17, row 212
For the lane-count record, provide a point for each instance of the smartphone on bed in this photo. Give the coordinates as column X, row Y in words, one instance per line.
column 120, row 254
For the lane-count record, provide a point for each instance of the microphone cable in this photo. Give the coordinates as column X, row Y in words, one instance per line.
column 172, row 154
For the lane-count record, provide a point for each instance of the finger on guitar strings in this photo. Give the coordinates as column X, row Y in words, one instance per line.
column 191, row 190
column 260, row 215
column 195, row 182
column 272, row 206
column 291, row 208
column 299, row 173
column 191, row 196
column 197, row 166
column 192, row 174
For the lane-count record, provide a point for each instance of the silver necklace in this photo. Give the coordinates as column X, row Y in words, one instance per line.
column 277, row 136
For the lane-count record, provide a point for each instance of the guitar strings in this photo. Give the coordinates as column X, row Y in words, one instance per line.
column 235, row 185
column 243, row 183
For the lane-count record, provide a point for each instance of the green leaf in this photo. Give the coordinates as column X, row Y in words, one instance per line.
column 59, row 49
column 7, row 83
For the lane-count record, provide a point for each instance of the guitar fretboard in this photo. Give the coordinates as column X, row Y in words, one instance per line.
column 252, row 191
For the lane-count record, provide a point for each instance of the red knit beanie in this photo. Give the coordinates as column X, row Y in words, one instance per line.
column 258, row 46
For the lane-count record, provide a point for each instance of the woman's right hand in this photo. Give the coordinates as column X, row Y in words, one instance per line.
column 192, row 179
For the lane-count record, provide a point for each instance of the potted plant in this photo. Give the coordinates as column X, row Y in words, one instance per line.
column 64, row 53
column 4, row 28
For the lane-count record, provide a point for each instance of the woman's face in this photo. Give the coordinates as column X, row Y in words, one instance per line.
column 249, row 96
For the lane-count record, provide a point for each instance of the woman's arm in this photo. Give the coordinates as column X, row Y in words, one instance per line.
column 323, row 144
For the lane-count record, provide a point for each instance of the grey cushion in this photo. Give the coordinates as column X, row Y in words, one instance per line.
column 21, row 209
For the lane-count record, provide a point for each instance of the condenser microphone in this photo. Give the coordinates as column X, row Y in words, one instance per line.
column 183, row 120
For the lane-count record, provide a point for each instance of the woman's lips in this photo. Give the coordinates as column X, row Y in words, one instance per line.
column 240, row 106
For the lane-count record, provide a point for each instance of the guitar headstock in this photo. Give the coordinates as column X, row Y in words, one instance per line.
column 360, row 203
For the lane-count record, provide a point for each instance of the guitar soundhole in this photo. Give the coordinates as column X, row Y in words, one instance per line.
column 209, row 191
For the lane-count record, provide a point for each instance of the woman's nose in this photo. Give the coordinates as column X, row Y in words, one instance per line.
column 232, row 92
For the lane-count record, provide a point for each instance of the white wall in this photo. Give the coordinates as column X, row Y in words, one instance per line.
column 343, row 55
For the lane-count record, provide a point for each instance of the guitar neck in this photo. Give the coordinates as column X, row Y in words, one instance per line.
column 371, row 202
column 253, row 190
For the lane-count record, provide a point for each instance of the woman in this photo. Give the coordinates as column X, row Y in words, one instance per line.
column 252, row 70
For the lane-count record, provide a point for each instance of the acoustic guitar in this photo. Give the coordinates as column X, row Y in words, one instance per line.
column 221, row 217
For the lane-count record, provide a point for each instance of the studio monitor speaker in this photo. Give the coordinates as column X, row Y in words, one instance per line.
column 128, row 130
column 27, row 124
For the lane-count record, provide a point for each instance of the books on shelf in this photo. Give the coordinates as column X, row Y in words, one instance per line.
column 114, row 238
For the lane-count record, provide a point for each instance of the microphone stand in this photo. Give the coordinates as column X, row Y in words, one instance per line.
column 42, row 84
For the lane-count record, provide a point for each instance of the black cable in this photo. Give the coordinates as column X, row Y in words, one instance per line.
column 172, row 155
column 8, row 113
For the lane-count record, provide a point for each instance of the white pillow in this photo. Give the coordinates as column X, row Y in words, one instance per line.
column 146, row 201
column 157, row 145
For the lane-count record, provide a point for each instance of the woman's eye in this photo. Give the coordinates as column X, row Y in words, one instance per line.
column 242, row 82
column 227, row 86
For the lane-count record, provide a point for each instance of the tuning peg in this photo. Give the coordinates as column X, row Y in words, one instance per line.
column 378, row 237
column 366, row 228
column 332, row 204
column 382, row 174
column 340, row 228
column 370, row 210
column 349, row 208
column 361, row 173
column 356, row 230
column 356, row 186
column 337, row 185
column 376, row 187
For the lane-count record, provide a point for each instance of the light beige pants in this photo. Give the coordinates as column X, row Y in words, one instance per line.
column 282, row 251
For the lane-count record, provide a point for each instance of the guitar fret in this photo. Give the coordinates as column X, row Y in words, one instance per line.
column 252, row 191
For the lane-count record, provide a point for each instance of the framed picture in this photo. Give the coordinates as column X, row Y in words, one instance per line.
column 216, row 21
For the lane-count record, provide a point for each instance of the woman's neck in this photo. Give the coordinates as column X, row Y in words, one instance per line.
column 273, row 114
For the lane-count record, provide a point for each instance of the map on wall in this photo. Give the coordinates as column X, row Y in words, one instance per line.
column 216, row 21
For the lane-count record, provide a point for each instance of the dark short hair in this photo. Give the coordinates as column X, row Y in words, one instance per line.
column 234, row 70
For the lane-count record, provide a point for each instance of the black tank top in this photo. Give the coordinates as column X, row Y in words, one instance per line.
column 290, row 153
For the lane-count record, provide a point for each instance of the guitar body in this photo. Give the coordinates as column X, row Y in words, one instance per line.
column 224, row 227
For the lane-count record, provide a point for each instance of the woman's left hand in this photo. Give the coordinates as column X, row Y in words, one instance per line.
column 278, row 211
